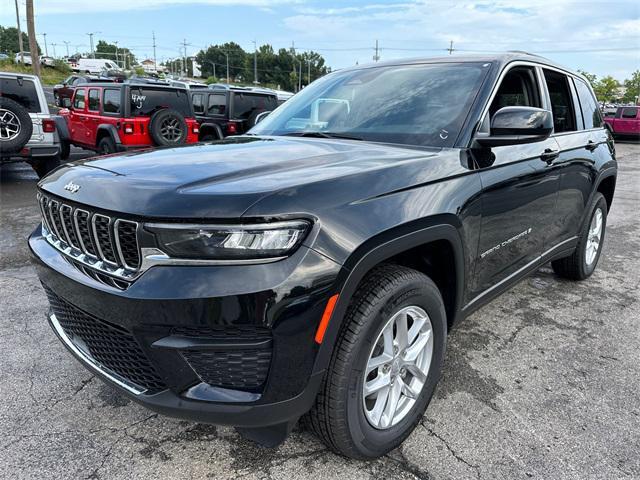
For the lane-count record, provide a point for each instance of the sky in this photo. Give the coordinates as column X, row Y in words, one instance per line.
column 598, row 36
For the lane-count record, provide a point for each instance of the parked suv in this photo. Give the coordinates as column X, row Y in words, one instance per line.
column 313, row 267
column 625, row 122
column 110, row 117
column 65, row 89
column 28, row 131
column 224, row 110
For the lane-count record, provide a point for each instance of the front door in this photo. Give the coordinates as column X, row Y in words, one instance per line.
column 93, row 116
column 519, row 191
column 78, row 117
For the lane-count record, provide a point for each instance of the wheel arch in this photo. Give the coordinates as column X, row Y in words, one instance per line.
column 208, row 127
column 109, row 130
column 607, row 187
column 397, row 246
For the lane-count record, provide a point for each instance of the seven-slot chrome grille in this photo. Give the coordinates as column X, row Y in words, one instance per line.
column 101, row 246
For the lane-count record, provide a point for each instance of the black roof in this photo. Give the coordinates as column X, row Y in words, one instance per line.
column 131, row 84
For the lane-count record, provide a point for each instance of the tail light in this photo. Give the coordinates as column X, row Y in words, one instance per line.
column 48, row 126
column 128, row 128
column 232, row 128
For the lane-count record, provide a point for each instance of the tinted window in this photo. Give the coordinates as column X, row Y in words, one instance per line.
column 423, row 104
column 24, row 92
column 111, row 101
column 564, row 119
column 94, row 99
column 629, row 112
column 246, row 104
column 217, row 104
column 145, row 101
column 198, row 104
column 590, row 111
column 518, row 88
column 78, row 100
column 78, row 81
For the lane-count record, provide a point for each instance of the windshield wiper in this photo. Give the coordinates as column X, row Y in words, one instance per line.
column 322, row 135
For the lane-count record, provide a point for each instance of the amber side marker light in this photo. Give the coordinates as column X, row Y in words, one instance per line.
column 326, row 316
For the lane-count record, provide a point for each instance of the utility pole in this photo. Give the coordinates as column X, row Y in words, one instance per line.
column 300, row 77
column 54, row 49
column 116, row 44
column 184, row 59
column 20, row 46
column 450, row 49
column 33, row 45
column 46, row 50
column 67, row 45
column 227, row 55
column 155, row 64
column 91, row 44
column 376, row 56
column 255, row 62
column 308, row 71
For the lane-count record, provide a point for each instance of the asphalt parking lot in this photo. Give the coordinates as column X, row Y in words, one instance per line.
column 543, row 383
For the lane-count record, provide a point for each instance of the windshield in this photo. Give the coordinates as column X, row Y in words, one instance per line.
column 422, row 104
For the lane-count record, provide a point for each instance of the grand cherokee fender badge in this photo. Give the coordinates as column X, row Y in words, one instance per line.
column 72, row 187
column 506, row 242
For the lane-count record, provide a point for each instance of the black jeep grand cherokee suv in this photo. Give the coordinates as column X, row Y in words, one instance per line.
column 314, row 266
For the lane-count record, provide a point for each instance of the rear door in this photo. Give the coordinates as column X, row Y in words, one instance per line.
column 78, row 116
column 519, row 191
column 628, row 123
column 579, row 131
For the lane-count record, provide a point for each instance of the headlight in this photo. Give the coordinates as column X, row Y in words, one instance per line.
column 225, row 242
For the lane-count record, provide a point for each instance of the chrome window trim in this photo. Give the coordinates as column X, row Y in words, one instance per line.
column 92, row 363
column 51, row 219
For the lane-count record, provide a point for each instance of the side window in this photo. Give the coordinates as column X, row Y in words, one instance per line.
column 77, row 81
column 629, row 112
column 217, row 104
column 590, row 111
column 111, row 100
column 198, row 104
column 78, row 100
column 564, row 118
column 518, row 88
column 94, row 99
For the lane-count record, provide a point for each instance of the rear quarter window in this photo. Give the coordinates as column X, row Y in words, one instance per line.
column 246, row 104
column 22, row 91
column 145, row 101
column 590, row 111
column 629, row 112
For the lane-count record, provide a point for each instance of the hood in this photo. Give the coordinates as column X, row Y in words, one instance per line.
column 219, row 180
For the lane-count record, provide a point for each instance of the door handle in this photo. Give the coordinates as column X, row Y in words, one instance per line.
column 549, row 155
column 591, row 145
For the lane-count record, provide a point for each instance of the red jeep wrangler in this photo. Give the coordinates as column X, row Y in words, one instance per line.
column 109, row 117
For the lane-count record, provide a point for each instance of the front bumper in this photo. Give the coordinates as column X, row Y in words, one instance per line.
column 166, row 316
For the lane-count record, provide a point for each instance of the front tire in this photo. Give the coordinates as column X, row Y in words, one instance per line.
column 582, row 262
column 347, row 412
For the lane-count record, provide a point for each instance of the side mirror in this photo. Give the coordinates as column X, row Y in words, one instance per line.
column 261, row 116
column 516, row 126
column 66, row 102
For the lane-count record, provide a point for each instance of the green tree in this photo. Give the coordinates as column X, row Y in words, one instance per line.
column 593, row 80
column 108, row 51
column 217, row 54
column 9, row 41
column 607, row 89
column 632, row 86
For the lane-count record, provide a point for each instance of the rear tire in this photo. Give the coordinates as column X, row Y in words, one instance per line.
column 341, row 416
column 106, row 146
column 43, row 166
column 16, row 126
column 583, row 261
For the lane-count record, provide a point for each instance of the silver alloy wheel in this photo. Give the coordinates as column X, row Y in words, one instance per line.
column 9, row 125
column 397, row 367
column 170, row 129
column 594, row 236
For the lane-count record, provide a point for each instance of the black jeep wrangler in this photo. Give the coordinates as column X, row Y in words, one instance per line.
column 225, row 110
column 313, row 267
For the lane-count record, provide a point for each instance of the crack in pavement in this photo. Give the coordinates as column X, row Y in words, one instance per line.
column 455, row 454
